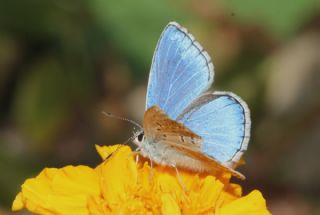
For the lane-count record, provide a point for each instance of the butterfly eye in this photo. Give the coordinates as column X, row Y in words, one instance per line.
column 140, row 137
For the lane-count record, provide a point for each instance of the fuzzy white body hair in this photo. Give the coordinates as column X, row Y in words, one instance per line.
column 163, row 154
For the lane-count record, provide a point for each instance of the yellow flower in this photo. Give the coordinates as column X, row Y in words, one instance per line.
column 119, row 185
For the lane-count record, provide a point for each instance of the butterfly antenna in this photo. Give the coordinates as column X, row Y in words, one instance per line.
column 122, row 118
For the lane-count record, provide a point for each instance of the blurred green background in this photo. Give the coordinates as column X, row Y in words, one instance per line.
column 62, row 62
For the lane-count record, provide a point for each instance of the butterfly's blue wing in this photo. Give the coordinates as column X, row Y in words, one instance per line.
column 181, row 70
column 222, row 119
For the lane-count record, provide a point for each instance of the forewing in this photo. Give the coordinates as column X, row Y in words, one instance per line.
column 179, row 65
column 222, row 120
column 159, row 127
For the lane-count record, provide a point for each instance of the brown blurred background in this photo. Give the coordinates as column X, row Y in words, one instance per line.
column 62, row 62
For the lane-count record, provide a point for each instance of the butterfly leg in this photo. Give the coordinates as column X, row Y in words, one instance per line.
column 137, row 158
column 180, row 179
column 136, row 154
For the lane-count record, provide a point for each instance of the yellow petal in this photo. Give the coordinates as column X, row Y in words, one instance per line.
column 169, row 205
column 35, row 191
column 144, row 177
column 252, row 204
column 106, row 151
column 233, row 191
column 57, row 190
column 18, row 203
column 68, row 205
column 72, row 180
column 207, row 197
column 118, row 176
column 168, row 183
column 97, row 206
column 210, row 191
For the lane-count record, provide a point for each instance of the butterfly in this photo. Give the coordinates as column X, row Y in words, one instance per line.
column 185, row 126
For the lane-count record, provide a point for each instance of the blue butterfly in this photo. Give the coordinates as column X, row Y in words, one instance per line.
column 184, row 126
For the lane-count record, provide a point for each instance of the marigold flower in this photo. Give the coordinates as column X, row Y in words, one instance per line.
column 119, row 185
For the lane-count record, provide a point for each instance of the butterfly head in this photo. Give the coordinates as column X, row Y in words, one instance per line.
column 139, row 138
